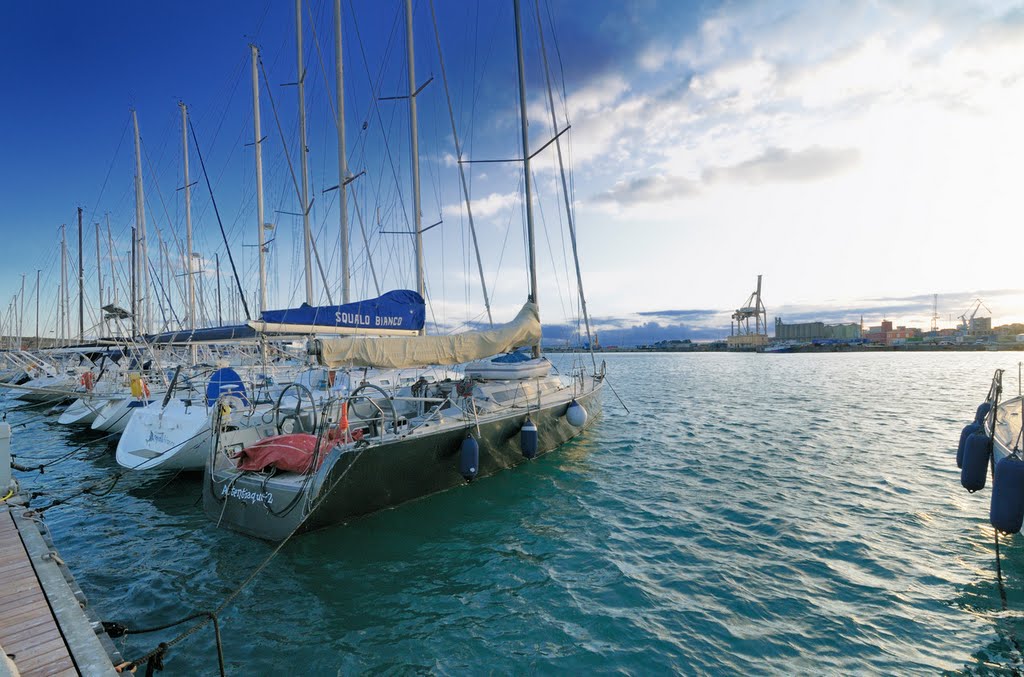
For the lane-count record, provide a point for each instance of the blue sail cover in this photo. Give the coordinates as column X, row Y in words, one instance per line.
column 399, row 309
column 238, row 331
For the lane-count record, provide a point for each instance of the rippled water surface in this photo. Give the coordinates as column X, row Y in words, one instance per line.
column 751, row 514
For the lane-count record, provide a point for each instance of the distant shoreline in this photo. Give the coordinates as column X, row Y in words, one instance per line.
column 706, row 348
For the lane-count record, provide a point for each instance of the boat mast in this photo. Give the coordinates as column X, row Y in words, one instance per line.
column 415, row 153
column 339, row 69
column 38, row 339
column 565, row 188
column 81, row 283
column 462, row 171
column 134, row 278
column 220, row 314
column 531, row 245
column 142, row 255
column 99, row 281
column 110, row 254
column 188, row 219
column 63, row 283
column 21, row 314
column 259, row 175
column 303, row 154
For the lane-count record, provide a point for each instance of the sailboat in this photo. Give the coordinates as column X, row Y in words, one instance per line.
column 375, row 448
column 174, row 432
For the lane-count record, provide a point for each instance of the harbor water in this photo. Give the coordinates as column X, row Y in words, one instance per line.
column 751, row 514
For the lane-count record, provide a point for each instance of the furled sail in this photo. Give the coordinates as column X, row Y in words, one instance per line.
column 208, row 335
column 398, row 312
column 403, row 352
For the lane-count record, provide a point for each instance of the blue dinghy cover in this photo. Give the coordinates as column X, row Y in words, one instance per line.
column 399, row 309
column 512, row 358
column 223, row 382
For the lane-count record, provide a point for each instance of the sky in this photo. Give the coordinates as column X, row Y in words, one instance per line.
column 861, row 156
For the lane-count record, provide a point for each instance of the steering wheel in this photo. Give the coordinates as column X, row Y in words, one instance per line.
column 294, row 416
column 370, row 415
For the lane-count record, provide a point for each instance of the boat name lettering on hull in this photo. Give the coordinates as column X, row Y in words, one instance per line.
column 266, row 498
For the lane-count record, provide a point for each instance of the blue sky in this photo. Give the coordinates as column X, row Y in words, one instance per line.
column 862, row 156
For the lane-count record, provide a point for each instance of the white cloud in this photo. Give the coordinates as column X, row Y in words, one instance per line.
column 485, row 207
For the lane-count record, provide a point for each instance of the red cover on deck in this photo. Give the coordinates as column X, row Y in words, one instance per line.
column 287, row 452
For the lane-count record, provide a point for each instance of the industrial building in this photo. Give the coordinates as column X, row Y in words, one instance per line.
column 808, row 331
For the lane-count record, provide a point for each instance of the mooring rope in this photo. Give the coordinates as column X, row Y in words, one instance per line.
column 162, row 648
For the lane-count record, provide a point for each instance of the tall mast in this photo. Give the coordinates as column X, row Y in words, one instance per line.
column 110, row 254
column 81, row 283
column 142, row 255
column 303, row 154
column 63, row 283
column 135, row 279
column 21, row 313
column 37, row 309
column 339, row 70
column 259, row 176
column 462, row 171
column 414, row 160
column 531, row 246
column 565, row 189
column 188, row 219
column 99, row 281
column 220, row 315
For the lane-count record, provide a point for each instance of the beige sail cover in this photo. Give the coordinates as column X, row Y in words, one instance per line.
column 418, row 351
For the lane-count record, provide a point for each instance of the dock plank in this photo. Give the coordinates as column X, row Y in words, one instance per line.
column 28, row 629
column 60, row 666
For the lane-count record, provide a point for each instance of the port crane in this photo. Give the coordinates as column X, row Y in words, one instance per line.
column 967, row 319
column 753, row 308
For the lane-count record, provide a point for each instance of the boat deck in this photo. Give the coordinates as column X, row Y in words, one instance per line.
column 33, row 594
column 1007, row 433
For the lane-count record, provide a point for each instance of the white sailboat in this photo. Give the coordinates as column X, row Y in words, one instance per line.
column 376, row 448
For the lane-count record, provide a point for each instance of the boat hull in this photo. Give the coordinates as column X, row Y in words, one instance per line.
column 1008, row 421
column 355, row 482
column 174, row 437
column 114, row 417
column 82, row 411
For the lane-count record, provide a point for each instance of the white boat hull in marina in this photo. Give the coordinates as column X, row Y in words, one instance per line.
column 172, row 437
column 113, row 418
column 1007, row 427
column 83, row 411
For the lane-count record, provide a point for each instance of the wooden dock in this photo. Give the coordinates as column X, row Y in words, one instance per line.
column 43, row 627
column 29, row 632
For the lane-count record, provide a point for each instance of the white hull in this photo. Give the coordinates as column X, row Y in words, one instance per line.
column 113, row 418
column 48, row 389
column 83, row 411
column 175, row 437
column 1007, row 427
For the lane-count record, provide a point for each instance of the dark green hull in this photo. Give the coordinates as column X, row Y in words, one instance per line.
column 357, row 482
